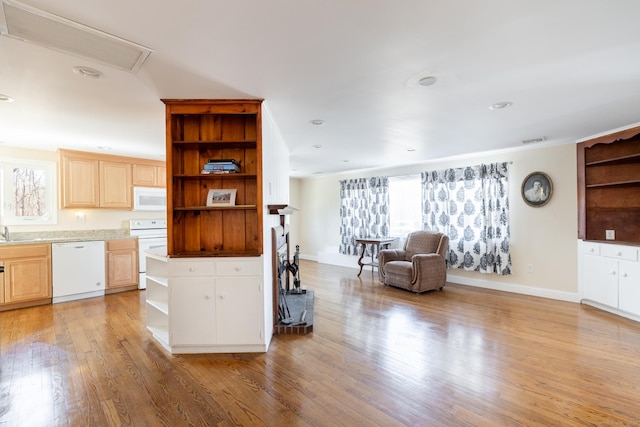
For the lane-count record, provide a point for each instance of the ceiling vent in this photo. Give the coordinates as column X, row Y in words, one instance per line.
column 534, row 140
column 28, row 24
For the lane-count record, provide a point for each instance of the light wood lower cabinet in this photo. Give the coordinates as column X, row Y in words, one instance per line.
column 27, row 275
column 122, row 265
column 206, row 305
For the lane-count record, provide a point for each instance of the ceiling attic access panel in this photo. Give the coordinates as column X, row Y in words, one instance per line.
column 203, row 130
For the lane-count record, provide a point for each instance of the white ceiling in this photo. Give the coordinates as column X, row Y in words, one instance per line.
column 570, row 67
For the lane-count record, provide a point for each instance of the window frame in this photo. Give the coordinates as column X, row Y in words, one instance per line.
column 7, row 190
column 418, row 213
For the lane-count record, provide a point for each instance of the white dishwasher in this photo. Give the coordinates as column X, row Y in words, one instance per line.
column 78, row 270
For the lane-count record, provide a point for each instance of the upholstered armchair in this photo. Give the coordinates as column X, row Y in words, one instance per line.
column 420, row 266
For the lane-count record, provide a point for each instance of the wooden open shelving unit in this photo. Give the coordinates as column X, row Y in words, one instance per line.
column 199, row 130
column 609, row 186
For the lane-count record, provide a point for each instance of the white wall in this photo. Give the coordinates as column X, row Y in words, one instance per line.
column 96, row 219
column 544, row 237
column 275, row 175
column 295, row 232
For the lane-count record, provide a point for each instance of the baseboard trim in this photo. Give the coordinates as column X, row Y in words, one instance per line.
column 517, row 289
column 611, row 310
column 332, row 258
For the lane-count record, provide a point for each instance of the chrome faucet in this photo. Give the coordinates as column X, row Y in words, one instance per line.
column 5, row 233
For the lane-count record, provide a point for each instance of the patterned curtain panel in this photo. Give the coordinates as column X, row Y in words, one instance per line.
column 471, row 206
column 364, row 211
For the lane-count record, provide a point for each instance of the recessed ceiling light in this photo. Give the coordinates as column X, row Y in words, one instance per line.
column 317, row 146
column 345, row 161
column 411, row 149
column 316, row 122
column 5, row 98
column 500, row 105
column 90, row 73
column 427, row 81
column 104, row 147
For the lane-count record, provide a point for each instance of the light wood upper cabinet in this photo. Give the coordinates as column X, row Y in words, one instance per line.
column 90, row 180
column 27, row 275
column 146, row 175
column 79, row 181
column 115, row 185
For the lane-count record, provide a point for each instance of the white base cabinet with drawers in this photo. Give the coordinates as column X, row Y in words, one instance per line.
column 206, row 305
column 609, row 277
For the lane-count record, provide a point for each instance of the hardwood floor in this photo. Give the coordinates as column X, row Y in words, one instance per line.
column 377, row 356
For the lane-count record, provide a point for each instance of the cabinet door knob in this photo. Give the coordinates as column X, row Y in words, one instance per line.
column 191, row 269
column 619, row 253
column 624, row 274
column 613, row 272
column 207, row 297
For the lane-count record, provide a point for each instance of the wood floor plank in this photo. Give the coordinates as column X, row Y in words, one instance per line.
column 377, row 356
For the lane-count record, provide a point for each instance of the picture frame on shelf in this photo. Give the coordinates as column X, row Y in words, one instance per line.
column 537, row 189
column 221, row 197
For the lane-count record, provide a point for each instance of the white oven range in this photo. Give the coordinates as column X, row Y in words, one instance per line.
column 151, row 233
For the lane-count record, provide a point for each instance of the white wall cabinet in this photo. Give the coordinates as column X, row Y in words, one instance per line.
column 239, row 310
column 629, row 287
column 610, row 277
column 193, row 311
column 206, row 305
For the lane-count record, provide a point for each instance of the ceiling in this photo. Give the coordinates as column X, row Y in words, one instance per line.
column 571, row 68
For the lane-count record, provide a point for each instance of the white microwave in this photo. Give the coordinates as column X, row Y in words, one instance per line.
column 151, row 199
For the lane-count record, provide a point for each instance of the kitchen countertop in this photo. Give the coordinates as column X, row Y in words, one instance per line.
column 65, row 236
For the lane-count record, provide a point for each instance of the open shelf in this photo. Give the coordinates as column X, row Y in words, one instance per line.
column 631, row 183
column 161, row 334
column 215, row 176
column 199, row 254
column 631, row 158
column 161, row 281
column 218, row 143
column 163, row 307
column 215, row 208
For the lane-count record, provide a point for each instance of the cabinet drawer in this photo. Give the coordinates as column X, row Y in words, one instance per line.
column 239, row 267
column 191, row 268
column 25, row 251
column 590, row 248
column 619, row 252
column 121, row 244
